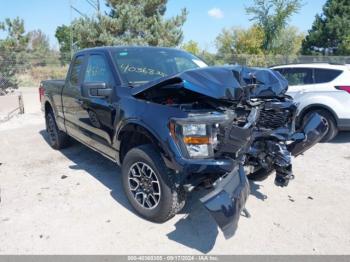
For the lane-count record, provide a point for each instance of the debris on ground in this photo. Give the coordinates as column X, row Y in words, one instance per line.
column 291, row 199
column 311, row 198
column 63, row 177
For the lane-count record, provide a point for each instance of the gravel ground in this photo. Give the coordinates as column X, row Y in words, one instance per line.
column 71, row 202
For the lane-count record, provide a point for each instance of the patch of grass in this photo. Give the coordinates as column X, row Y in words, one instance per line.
column 34, row 75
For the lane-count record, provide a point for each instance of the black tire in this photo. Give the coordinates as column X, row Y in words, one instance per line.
column 57, row 139
column 332, row 124
column 171, row 199
column 260, row 174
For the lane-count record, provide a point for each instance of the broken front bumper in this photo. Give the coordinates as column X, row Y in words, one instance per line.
column 226, row 202
column 312, row 133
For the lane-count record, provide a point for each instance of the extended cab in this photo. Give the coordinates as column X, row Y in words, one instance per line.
column 174, row 125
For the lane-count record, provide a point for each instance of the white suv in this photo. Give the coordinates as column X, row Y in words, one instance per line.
column 322, row 88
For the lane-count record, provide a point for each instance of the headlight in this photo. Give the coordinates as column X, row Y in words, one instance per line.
column 198, row 151
column 194, row 129
column 195, row 138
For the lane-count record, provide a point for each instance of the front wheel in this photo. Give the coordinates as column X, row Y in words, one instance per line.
column 149, row 186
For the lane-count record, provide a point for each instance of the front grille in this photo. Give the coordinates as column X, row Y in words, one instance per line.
column 273, row 119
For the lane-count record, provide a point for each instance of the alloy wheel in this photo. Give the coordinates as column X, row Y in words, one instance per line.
column 144, row 185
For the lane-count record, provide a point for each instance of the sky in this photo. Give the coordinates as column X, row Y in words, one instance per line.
column 205, row 20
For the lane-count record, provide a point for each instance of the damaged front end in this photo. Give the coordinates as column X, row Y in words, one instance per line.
column 229, row 118
column 276, row 140
column 226, row 202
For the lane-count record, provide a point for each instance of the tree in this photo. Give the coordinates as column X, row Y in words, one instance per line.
column 330, row 32
column 12, row 52
column 39, row 48
column 135, row 22
column 143, row 22
column 63, row 35
column 272, row 17
column 234, row 41
column 38, row 40
column 192, row 47
column 288, row 42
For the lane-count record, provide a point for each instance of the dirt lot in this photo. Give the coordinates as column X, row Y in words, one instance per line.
column 71, row 201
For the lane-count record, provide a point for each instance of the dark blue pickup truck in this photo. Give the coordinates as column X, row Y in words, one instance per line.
column 175, row 125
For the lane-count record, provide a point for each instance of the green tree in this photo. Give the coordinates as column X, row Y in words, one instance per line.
column 272, row 16
column 39, row 48
column 135, row 22
column 63, row 36
column 13, row 57
column 288, row 42
column 143, row 22
column 233, row 41
column 192, row 47
column 330, row 32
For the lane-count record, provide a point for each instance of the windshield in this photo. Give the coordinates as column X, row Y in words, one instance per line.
column 141, row 65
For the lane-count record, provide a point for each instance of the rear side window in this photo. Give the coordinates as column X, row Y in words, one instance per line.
column 98, row 70
column 75, row 71
column 326, row 75
column 298, row 76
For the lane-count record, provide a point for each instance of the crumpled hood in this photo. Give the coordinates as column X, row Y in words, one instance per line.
column 224, row 82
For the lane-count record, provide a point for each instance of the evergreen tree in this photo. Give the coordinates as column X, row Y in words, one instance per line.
column 330, row 32
column 13, row 57
column 135, row 22
column 143, row 22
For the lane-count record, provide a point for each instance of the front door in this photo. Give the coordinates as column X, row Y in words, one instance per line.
column 96, row 114
column 300, row 80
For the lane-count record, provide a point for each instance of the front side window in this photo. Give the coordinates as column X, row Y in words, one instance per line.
column 75, row 71
column 298, row 76
column 326, row 75
column 97, row 70
column 141, row 65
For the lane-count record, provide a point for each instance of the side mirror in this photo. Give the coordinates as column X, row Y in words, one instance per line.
column 96, row 89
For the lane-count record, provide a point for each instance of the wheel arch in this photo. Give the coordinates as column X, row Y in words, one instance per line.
column 134, row 134
column 314, row 107
column 48, row 107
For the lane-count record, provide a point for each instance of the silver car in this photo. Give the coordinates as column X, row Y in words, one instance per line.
column 323, row 88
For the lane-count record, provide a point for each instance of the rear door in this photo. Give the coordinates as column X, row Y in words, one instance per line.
column 324, row 78
column 71, row 95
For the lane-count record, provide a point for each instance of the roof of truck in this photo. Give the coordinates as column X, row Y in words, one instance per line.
column 120, row 48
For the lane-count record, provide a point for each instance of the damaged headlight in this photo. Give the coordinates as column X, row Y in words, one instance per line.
column 197, row 135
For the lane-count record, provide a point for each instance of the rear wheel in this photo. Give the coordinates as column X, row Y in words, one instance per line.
column 329, row 121
column 149, row 186
column 57, row 138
